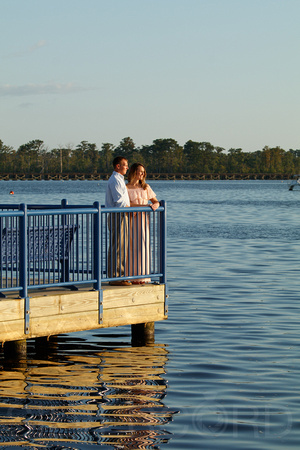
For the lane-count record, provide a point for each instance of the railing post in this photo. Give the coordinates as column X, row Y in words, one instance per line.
column 64, row 263
column 97, row 246
column 23, row 251
column 98, row 256
column 64, row 203
column 163, row 242
column 23, row 264
column 163, row 251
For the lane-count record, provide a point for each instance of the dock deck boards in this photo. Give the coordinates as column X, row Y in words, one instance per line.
column 58, row 311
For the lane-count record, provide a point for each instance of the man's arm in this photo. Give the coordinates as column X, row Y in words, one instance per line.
column 119, row 194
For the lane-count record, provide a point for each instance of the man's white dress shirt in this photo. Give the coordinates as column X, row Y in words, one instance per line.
column 116, row 192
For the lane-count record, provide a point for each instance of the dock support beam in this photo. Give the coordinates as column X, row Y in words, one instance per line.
column 142, row 333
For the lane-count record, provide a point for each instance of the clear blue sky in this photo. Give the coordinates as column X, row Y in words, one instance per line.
column 221, row 71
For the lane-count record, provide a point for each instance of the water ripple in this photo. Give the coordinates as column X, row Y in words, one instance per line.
column 88, row 399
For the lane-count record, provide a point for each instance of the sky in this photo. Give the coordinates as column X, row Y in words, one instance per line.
column 220, row 71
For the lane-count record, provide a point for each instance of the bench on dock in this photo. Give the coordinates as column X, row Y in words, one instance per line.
column 45, row 245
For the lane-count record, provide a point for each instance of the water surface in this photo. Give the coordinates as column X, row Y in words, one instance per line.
column 224, row 370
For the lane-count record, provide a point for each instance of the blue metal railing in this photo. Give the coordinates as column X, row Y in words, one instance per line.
column 67, row 246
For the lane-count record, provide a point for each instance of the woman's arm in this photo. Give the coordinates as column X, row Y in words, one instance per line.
column 155, row 203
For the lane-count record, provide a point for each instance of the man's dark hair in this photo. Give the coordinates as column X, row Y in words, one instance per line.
column 118, row 160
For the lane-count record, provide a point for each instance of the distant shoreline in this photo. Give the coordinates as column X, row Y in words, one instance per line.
column 150, row 176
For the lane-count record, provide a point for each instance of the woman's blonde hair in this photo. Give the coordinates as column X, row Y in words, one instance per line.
column 132, row 172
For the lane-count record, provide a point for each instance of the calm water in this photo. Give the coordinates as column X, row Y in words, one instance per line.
column 224, row 371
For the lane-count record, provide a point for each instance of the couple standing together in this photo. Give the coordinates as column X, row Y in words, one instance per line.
column 129, row 235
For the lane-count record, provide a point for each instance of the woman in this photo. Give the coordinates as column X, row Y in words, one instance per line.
column 140, row 193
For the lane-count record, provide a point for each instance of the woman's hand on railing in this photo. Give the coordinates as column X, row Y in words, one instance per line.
column 154, row 206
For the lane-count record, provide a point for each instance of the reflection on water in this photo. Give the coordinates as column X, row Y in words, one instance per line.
column 114, row 397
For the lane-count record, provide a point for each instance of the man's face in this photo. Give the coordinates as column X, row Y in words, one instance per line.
column 122, row 167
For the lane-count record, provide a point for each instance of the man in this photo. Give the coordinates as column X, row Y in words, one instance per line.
column 117, row 196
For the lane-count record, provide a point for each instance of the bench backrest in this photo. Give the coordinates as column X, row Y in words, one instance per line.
column 47, row 243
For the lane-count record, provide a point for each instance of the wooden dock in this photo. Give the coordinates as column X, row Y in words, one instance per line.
column 49, row 251
column 56, row 311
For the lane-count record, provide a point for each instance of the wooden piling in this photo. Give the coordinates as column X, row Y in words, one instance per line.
column 15, row 349
column 142, row 333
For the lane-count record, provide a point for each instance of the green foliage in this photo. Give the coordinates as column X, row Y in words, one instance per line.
column 7, row 158
column 162, row 156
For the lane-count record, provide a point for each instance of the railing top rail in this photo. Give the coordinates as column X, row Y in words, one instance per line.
column 29, row 206
column 11, row 213
column 68, row 209
column 131, row 209
column 49, row 212
column 62, row 211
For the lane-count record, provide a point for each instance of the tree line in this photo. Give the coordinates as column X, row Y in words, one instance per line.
column 162, row 156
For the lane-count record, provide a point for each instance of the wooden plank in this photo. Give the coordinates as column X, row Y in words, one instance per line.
column 11, row 309
column 137, row 314
column 63, row 323
column 74, row 301
column 139, row 295
column 67, row 323
column 12, row 330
